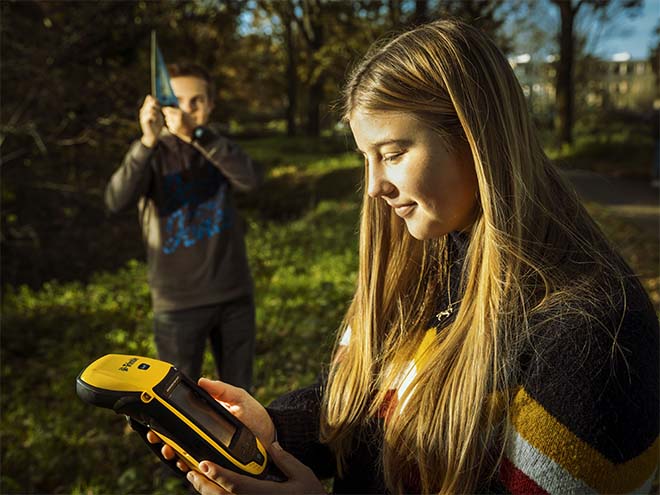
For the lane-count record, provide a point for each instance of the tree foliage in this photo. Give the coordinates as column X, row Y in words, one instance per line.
column 74, row 75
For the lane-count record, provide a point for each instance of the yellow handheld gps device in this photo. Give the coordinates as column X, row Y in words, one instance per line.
column 156, row 396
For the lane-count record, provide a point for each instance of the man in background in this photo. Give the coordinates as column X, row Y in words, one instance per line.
column 181, row 174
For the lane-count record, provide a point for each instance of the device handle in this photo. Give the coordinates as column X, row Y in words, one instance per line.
column 142, row 430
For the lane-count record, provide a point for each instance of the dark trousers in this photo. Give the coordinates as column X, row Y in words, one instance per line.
column 230, row 327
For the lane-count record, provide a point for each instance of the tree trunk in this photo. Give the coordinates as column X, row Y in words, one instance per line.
column 394, row 7
column 316, row 94
column 565, row 86
column 312, row 29
column 421, row 14
column 291, row 77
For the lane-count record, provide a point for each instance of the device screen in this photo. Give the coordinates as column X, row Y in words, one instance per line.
column 189, row 402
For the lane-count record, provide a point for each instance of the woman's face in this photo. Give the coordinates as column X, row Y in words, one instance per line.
column 432, row 189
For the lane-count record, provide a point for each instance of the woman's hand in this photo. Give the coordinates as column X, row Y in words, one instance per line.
column 217, row 480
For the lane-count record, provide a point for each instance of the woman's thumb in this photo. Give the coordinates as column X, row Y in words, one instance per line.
column 298, row 475
column 287, row 463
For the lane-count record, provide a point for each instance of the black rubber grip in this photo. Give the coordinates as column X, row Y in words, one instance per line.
column 142, row 430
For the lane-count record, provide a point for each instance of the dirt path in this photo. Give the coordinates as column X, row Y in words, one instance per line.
column 634, row 200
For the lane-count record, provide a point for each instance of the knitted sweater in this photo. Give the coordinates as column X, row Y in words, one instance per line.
column 584, row 418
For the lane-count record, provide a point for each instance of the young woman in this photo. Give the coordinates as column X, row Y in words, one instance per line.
column 496, row 342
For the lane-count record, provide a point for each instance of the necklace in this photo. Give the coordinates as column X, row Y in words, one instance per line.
column 445, row 313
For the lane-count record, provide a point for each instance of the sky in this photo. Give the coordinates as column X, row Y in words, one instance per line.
column 632, row 35
column 623, row 32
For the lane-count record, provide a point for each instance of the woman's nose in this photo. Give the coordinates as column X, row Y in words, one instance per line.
column 377, row 182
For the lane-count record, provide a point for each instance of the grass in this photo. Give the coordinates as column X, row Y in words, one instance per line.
column 303, row 265
column 608, row 146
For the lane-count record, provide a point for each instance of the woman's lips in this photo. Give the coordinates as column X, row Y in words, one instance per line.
column 404, row 210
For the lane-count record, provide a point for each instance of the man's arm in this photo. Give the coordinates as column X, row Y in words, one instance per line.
column 233, row 162
column 131, row 180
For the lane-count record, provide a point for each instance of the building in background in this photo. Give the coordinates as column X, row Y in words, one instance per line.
column 620, row 83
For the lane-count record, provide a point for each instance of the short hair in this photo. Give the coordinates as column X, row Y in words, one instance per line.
column 189, row 69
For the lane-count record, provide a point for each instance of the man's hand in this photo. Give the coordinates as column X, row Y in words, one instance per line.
column 179, row 123
column 151, row 121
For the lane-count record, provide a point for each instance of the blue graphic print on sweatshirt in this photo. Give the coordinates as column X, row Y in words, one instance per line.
column 194, row 206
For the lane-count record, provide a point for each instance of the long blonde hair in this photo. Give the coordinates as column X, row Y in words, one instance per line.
column 454, row 79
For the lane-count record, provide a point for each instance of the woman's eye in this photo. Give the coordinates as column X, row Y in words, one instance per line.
column 392, row 157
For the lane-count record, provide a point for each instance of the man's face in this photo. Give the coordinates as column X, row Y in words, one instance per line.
column 193, row 96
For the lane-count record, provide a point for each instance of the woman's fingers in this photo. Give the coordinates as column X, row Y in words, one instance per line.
column 223, row 391
column 229, row 481
column 152, row 437
column 204, row 485
column 301, row 479
column 166, row 451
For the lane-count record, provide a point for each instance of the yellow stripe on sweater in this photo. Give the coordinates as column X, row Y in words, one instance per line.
column 422, row 356
column 582, row 461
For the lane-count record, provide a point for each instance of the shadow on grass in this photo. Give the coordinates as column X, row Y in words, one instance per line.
column 52, row 441
column 611, row 159
column 289, row 196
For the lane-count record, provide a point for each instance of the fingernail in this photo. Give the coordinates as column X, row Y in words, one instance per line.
column 191, row 476
column 203, row 467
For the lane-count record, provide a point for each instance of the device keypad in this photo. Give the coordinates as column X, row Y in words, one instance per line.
column 246, row 449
